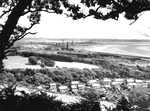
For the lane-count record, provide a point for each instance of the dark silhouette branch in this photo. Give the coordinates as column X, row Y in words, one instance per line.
column 10, row 9
column 97, row 8
column 32, row 11
column 22, row 35
column 5, row 12
column 136, row 19
column 17, row 38
column 133, row 22
column 144, row 34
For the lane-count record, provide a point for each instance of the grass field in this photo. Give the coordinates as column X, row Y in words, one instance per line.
column 14, row 62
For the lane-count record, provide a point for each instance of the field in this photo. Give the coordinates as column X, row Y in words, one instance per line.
column 14, row 62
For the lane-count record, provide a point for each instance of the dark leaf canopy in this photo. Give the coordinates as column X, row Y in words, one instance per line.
column 99, row 9
column 130, row 8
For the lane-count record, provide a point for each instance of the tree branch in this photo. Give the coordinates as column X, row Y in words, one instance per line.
column 133, row 22
column 97, row 8
column 22, row 35
column 5, row 12
column 18, row 38
column 10, row 8
column 136, row 19
column 31, row 11
column 144, row 34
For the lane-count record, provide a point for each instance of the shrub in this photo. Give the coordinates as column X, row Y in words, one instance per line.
column 92, row 94
column 41, row 79
column 7, row 78
column 29, row 72
column 48, row 62
column 59, row 57
column 19, row 76
column 26, row 53
column 140, row 98
column 33, row 60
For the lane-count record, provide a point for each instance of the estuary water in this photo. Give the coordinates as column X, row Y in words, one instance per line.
column 126, row 48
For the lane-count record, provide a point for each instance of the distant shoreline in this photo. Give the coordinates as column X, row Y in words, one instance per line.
column 86, row 39
column 53, row 38
column 115, row 50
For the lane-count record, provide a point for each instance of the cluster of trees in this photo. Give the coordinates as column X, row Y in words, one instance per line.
column 33, row 60
column 43, row 61
column 56, row 57
column 65, row 75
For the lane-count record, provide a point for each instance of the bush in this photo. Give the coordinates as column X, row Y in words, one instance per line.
column 140, row 98
column 7, row 78
column 48, row 62
column 59, row 57
column 92, row 94
column 41, row 79
column 29, row 71
column 19, row 76
column 33, row 60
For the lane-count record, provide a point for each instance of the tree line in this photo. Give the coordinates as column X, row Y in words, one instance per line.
column 65, row 75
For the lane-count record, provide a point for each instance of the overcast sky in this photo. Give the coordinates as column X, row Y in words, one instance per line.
column 59, row 26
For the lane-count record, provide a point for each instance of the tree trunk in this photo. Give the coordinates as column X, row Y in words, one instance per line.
column 2, row 56
column 10, row 26
column 1, row 61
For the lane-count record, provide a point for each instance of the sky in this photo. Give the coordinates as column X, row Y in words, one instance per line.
column 60, row 26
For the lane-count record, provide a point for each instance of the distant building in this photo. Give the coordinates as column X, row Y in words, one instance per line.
column 147, row 81
column 139, row 81
column 106, row 82
column 132, row 85
column 145, row 85
column 130, row 80
column 40, row 87
column 63, row 89
column 115, row 83
column 53, row 87
column 96, row 86
column 119, row 80
column 90, row 82
column 74, row 88
column 75, row 82
column 81, row 87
